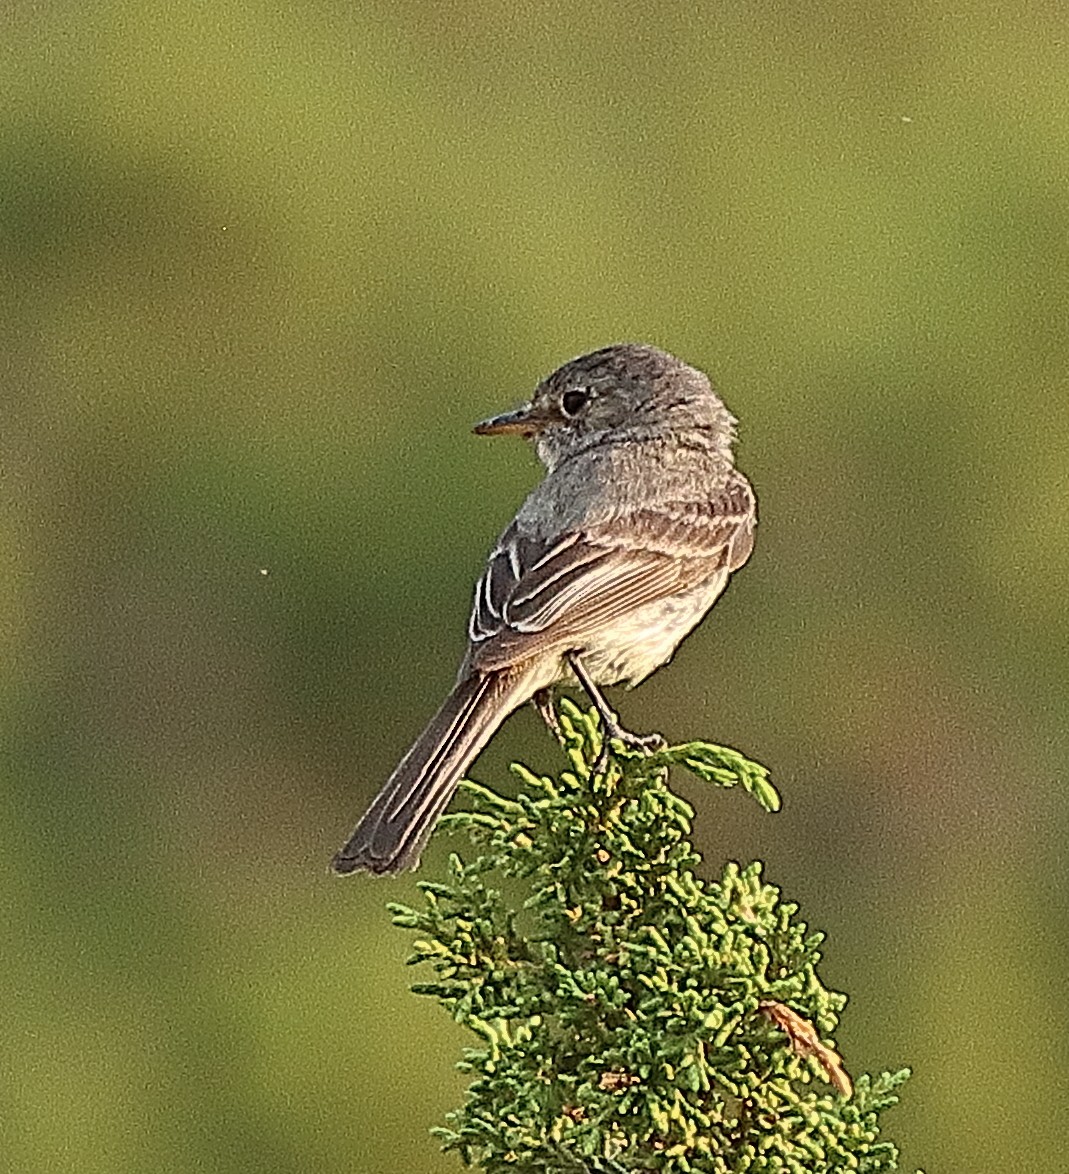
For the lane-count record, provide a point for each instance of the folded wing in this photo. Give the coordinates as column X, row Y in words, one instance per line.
column 538, row 596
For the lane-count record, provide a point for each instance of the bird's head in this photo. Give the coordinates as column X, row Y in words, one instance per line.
column 630, row 391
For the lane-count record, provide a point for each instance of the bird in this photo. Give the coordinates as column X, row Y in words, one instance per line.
column 612, row 560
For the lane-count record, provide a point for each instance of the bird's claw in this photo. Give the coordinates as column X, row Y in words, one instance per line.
column 547, row 711
column 644, row 743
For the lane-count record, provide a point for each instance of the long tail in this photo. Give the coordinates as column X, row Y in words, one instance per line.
column 402, row 816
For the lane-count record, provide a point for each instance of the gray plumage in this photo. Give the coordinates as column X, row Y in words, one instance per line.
column 611, row 561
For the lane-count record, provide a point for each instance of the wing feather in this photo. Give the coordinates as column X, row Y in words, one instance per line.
column 553, row 594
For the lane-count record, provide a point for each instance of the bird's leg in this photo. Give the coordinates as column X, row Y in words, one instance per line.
column 543, row 702
column 610, row 720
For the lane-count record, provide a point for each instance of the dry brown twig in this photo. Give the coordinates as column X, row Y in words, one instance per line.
column 805, row 1042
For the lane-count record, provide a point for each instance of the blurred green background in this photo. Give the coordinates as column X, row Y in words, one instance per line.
column 262, row 267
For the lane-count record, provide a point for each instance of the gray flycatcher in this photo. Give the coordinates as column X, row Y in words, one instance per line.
column 612, row 560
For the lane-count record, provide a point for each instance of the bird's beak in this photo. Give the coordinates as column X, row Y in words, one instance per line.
column 522, row 421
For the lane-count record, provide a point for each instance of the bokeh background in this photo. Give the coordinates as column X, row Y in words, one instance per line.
column 262, row 267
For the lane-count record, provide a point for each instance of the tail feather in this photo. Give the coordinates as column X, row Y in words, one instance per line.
column 393, row 832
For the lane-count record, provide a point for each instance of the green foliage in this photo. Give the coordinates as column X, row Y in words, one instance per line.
column 632, row 1016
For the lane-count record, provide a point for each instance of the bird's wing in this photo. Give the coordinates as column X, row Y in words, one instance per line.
column 543, row 595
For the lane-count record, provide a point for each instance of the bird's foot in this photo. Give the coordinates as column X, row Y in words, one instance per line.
column 610, row 721
column 611, row 730
column 547, row 711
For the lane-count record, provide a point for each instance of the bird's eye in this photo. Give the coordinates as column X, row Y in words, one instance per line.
column 574, row 401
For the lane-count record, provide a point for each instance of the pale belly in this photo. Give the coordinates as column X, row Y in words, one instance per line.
column 647, row 638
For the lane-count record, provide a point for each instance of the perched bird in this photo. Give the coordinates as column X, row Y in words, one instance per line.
column 611, row 561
